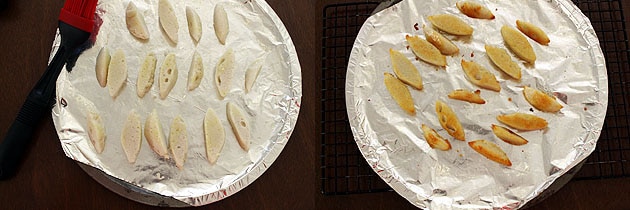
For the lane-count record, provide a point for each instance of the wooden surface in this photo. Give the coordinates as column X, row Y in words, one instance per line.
column 47, row 179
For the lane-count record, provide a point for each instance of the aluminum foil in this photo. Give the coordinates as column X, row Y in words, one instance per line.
column 272, row 105
column 572, row 68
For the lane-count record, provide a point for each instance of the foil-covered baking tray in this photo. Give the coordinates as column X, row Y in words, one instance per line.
column 572, row 68
column 271, row 107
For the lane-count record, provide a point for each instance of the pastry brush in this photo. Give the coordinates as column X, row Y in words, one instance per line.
column 75, row 26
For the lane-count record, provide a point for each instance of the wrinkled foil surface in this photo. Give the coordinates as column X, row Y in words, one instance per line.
column 272, row 105
column 572, row 68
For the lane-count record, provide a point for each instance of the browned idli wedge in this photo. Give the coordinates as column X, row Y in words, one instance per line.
column 533, row 32
column 405, row 70
column 449, row 121
column 178, row 141
column 214, row 135
column 522, row 121
column 434, row 139
column 540, row 100
column 400, row 93
column 508, row 136
column 474, row 10
column 451, row 24
column 240, row 125
column 131, row 137
column 468, row 96
column 155, row 136
column 491, row 151
column 426, row 51
column 445, row 46
column 479, row 76
column 518, row 44
column 502, row 59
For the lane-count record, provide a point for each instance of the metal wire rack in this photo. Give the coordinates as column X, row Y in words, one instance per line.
column 343, row 169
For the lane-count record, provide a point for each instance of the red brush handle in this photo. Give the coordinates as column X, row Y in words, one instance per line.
column 79, row 14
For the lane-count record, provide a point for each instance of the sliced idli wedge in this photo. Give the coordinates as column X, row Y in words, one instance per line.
column 240, row 125
column 405, row 70
column 480, row 76
column 400, row 93
column 449, row 121
column 522, row 121
column 131, row 136
column 533, row 32
column 434, row 139
column 168, row 20
column 214, row 135
column 541, row 100
column 96, row 131
column 451, row 24
column 426, row 51
column 491, row 151
column 508, row 136
column 518, row 44
column 502, row 59
column 155, row 136
column 102, row 66
column 117, row 73
column 178, row 142
column 221, row 24
column 474, row 10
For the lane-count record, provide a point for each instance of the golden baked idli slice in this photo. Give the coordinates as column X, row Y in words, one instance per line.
column 426, row 51
column 468, row 96
column 508, row 136
column 491, row 151
column 540, row 100
column 434, row 139
column 522, row 121
column 449, row 121
column 405, row 70
column 518, row 44
column 474, row 10
column 451, row 24
column 480, row 76
column 533, row 32
column 438, row 40
column 502, row 59
column 400, row 93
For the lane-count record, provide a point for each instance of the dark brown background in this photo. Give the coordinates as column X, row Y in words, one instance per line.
column 47, row 179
